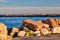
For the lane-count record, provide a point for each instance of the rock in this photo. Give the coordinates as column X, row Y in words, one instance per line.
column 46, row 26
column 2, row 37
column 56, row 30
column 14, row 31
column 45, row 21
column 37, row 33
column 29, row 33
column 26, row 29
column 3, row 31
column 21, row 33
column 44, row 31
column 9, row 38
column 32, row 24
column 58, row 22
column 52, row 22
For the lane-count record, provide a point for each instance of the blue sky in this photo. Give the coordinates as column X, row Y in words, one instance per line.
column 35, row 3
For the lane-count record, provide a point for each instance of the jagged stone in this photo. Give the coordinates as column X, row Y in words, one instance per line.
column 32, row 24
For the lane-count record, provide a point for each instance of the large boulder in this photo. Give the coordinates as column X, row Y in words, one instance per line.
column 51, row 21
column 33, row 25
column 58, row 22
column 3, row 31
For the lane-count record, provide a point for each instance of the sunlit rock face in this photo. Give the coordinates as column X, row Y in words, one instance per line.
column 3, row 31
column 9, row 37
column 44, row 31
column 56, row 30
column 15, row 29
column 46, row 26
column 37, row 33
column 52, row 22
column 21, row 33
column 33, row 25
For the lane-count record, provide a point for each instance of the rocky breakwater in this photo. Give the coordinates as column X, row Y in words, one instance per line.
column 47, row 26
column 31, row 28
column 4, row 32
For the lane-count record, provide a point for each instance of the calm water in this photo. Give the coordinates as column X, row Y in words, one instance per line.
column 17, row 21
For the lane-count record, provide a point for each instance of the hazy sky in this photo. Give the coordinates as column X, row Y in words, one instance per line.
column 29, row 3
column 29, row 6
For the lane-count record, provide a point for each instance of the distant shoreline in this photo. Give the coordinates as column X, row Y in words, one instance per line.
column 30, row 15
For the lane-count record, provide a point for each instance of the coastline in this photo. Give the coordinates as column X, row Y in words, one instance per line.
column 30, row 15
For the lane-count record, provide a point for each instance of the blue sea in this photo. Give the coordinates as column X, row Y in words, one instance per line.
column 17, row 21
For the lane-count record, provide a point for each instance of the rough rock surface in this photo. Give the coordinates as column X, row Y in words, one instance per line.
column 44, row 31
column 51, row 21
column 21, row 33
column 9, row 38
column 37, row 33
column 3, row 31
column 46, row 26
column 32, row 24
column 56, row 30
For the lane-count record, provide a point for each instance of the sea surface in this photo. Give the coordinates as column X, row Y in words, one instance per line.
column 18, row 21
